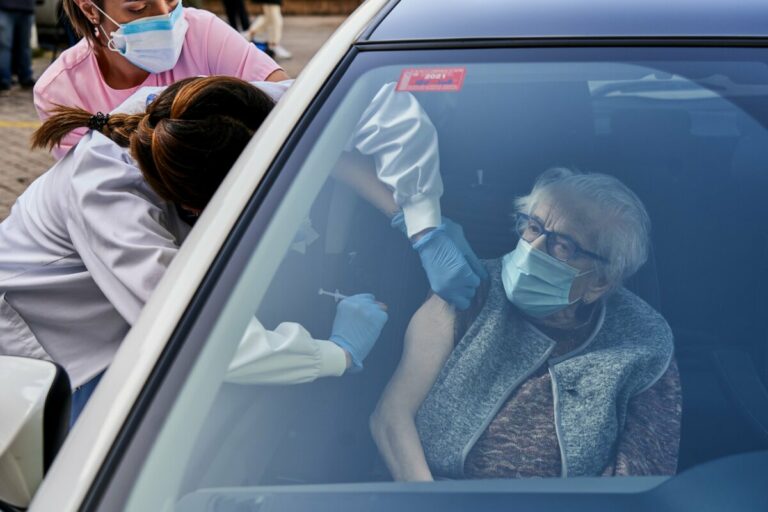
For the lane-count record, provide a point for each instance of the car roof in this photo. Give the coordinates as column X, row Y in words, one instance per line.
column 408, row 20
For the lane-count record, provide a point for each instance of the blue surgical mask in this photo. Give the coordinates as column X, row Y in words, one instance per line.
column 153, row 43
column 535, row 282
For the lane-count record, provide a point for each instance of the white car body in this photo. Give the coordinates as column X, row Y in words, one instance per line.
column 668, row 99
column 22, row 427
column 87, row 445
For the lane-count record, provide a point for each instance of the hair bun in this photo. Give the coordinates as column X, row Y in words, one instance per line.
column 194, row 132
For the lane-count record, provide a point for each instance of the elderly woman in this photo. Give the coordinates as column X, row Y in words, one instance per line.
column 557, row 370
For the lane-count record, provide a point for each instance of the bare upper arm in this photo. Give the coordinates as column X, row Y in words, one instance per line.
column 277, row 75
column 429, row 341
column 359, row 172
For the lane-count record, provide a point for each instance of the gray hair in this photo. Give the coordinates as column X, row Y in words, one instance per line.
column 626, row 238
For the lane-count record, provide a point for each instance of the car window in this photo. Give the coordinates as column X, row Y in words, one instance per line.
column 683, row 129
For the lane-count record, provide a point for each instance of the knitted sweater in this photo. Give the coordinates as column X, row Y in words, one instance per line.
column 521, row 441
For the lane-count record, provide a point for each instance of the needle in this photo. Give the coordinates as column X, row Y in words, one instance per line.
column 336, row 295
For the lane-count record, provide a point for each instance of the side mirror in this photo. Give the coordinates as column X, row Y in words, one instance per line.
column 34, row 419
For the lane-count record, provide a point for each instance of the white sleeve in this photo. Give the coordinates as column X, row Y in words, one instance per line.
column 118, row 225
column 397, row 132
column 275, row 90
column 137, row 102
column 287, row 355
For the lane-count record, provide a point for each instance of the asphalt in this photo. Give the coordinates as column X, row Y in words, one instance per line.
column 19, row 166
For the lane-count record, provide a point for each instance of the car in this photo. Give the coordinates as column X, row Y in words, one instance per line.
column 53, row 29
column 669, row 97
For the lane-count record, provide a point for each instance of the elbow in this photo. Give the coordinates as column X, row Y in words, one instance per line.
column 385, row 424
column 378, row 425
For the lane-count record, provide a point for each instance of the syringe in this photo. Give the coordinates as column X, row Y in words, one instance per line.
column 336, row 295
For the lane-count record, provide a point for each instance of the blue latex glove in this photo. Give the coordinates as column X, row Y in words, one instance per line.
column 449, row 273
column 358, row 323
column 456, row 232
column 453, row 270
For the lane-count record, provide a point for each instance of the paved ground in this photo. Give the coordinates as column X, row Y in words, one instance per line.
column 303, row 35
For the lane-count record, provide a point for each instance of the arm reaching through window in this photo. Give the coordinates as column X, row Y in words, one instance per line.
column 358, row 172
column 429, row 341
column 397, row 148
column 396, row 131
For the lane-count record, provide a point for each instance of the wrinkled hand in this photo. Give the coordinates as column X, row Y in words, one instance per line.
column 358, row 323
column 453, row 270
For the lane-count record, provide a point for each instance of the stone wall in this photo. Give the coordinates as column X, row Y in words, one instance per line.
column 320, row 6
column 296, row 7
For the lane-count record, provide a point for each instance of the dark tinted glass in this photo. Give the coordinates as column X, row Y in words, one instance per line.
column 684, row 129
column 450, row 19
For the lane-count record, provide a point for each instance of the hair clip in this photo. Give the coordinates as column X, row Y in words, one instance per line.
column 98, row 121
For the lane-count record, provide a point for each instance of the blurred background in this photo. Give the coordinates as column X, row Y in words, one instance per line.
column 307, row 25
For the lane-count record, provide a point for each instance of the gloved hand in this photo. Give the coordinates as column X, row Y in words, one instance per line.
column 456, row 232
column 358, row 323
column 453, row 270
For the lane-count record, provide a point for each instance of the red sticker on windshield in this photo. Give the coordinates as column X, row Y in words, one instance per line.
column 431, row 79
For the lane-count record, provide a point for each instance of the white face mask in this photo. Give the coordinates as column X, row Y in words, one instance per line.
column 154, row 43
column 538, row 284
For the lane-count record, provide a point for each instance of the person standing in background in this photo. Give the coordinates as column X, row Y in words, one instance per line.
column 16, row 18
column 130, row 44
column 272, row 22
column 237, row 15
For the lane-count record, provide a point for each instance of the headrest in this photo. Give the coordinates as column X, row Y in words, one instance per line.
column 650, row 123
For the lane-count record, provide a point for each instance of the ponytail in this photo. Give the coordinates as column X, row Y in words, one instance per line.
column 117, row 127
column 193, row 133
column 186, row 142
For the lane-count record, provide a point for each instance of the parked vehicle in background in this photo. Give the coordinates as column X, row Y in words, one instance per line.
column 54, row 31
column 670, row 97
column 47, row 22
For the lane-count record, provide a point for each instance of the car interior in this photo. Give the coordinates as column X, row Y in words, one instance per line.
column 695, row 156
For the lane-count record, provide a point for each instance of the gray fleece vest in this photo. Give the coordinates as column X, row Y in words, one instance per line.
column 629, row 352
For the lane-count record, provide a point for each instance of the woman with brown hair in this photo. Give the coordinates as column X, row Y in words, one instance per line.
column 128, row 44
column 87, row 242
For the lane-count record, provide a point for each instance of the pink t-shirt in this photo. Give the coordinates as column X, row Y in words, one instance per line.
column 211, row 47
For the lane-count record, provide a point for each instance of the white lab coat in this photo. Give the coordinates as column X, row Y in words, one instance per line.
column 86, row 244
column 82, row 251
column 396, row 131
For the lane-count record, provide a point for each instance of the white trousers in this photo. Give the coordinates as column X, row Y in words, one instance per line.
column 272, row 21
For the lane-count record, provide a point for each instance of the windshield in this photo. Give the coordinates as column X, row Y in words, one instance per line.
column 616, row 319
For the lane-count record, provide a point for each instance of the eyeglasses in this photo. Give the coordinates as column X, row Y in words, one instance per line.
column 559, row 246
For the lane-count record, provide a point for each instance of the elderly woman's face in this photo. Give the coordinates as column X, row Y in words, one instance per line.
column 574, row 219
